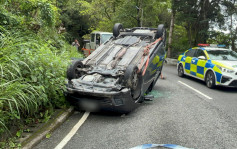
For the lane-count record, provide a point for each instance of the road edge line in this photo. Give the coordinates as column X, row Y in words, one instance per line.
column 73, row 131
column 195, row 90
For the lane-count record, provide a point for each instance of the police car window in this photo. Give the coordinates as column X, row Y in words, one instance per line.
column 200, row 53
column 190, row 52
column 222, row 55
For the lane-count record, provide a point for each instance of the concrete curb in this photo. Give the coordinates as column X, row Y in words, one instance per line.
column 171, row 61
column 47, row 128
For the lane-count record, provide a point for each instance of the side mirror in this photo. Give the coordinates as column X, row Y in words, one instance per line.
column 202, row 57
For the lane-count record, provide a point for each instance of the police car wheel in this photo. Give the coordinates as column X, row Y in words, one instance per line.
column 180, row 71
column 210, row 79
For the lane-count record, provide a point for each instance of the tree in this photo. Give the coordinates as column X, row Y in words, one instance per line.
column 76, row 24
column 149, row 13
column 218, row 37
column 196, row 16
column 231, row 12
column 173, row 12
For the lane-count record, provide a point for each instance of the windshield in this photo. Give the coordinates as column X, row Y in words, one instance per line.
column 105, row 37
column 222, row 55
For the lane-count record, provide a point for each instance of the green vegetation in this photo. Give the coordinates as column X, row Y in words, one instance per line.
column 196, row 21
column 35, row 50
column 33, row 61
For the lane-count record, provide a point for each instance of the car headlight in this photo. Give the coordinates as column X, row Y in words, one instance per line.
column 225, row 69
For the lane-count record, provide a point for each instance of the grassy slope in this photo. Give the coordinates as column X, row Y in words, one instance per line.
column 32, row 71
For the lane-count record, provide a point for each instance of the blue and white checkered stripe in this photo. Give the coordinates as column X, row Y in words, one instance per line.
column 147, row 146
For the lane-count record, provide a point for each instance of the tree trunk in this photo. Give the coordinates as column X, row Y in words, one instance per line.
column 232, row 33
column 189, row 32
column 170, row 35
column 138, row 11
column 234, row 37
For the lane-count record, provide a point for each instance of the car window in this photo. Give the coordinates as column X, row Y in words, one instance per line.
column 190, row 52
column 222, row 55
column 105, row 37
column 97, row 38
column 161, row 51
column 92, row 37
column 199, row 52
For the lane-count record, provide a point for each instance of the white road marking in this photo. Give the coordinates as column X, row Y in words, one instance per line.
column 73, row 131
column 195, row 90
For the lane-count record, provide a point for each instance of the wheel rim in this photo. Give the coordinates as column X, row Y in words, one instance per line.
column 209, row 80
column 134, row 80
column 135, row 88
column 180, row 70
column 77, row 72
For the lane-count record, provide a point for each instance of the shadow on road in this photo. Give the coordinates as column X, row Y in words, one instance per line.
column 218, row 88
column 226, row 89
column 107, row 113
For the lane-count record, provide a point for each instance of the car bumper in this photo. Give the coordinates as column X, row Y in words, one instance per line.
column 228, row 80
column 94, row 101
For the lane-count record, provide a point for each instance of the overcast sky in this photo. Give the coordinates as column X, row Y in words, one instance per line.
column 227, row 22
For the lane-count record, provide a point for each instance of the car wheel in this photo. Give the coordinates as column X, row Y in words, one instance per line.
column 116, row 29
column 133, row 81
column 210, row 79
column 72, row 71
column 180, row 71
column 161, row 32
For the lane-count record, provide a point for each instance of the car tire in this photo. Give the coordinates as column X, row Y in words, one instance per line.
column 72, row 72
column 180, row 70
column 210, row 79
column 116, row 29
column 161, row 32
column 133, row 81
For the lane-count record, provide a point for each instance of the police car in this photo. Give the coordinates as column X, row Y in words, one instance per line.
column 213, row 64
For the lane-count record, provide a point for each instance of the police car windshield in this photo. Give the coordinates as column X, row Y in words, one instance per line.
column 227, row 55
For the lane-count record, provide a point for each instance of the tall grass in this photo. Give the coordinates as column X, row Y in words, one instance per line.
column 32, row 74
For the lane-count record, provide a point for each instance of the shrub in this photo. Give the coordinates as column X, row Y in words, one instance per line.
column 32, row 74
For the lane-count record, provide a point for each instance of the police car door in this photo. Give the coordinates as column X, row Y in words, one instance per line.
column 188, row 60
column 198, row 63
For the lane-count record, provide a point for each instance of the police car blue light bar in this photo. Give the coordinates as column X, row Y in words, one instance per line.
column 221, row 46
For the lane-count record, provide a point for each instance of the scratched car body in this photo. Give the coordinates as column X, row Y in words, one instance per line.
column 119, row 73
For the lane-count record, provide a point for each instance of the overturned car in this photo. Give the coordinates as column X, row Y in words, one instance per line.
column 120, row 72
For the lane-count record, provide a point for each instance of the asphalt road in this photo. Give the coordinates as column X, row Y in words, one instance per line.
column 177, row 115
